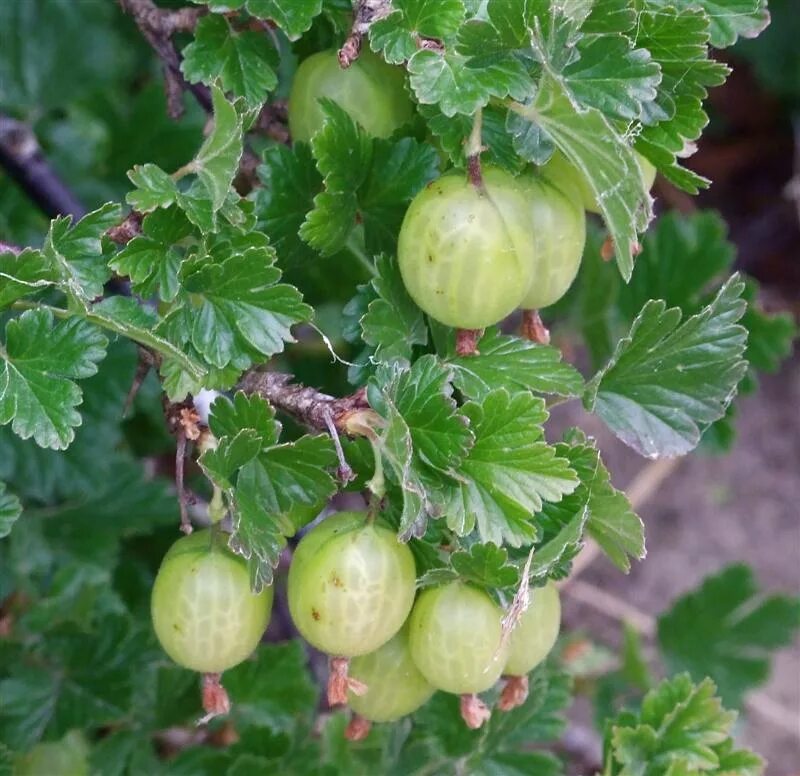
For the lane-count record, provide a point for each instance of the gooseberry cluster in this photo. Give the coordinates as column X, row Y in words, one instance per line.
column 471, row 250
column 352, row 593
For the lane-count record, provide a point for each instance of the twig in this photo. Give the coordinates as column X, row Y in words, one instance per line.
column 365, row 12
column 308, row 406
column 21, row 157
column 157, row 26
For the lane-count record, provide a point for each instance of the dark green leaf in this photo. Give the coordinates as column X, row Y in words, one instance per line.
column 727, row 629
column 243, row 61
column 10, row 510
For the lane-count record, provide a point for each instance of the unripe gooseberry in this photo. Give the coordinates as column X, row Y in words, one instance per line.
column 559, row 237
column 68, row 756
column 395, row 686
column 204, row 613
column 351, row 585
column 371, row 91
column 536, row 632
column 563, row 173
column 456, row 638
column 465, row 251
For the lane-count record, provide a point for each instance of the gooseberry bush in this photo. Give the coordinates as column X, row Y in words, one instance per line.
column 312, row 330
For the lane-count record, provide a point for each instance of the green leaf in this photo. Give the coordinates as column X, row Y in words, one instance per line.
column 154, row 188
column 509, row 472
column 486, row 565
column 272, row 483
column 589, row 141
column 398, row 34
column 10, row 510
column 367, row 181
column 23, row 274
column 515, row 363
column 678, row 40
column 554, row 553
column 232, row 308
column 425, row 436
column 38, row 367
column 611, row 521
column 727, row 629
column 667, row 380
column 294, row 17
column 612, row 76
column 447, row 81
column 243, row 61
column 769, row 337
column 391, row 324
column 274, row 689
column 77, row 682
column 152, row 260
column 215, row 166
column 681, row 256
column 76, row 253
column 291, row 181
column 680, row 730
column 729, row 19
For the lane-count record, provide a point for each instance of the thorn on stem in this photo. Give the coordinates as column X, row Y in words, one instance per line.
column 533, row 329
column 474, row 711
column 515, row 693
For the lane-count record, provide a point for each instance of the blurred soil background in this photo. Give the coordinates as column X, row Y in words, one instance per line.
column 708, row 511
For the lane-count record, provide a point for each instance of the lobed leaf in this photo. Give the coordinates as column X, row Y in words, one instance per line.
column 727, row 629
column 667, row 380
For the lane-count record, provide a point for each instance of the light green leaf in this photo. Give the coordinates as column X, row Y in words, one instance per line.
column 38, row 367
column 667, row 380
column 588, row 140
column 509, row 472
column 154, row 188
column 515, row 363
column 294, row 17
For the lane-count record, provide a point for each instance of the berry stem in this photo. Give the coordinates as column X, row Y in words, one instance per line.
column 215, row 697
column 467, row 342
column 533, row 329
column 473, row 151
column 474, row 711
column 515, row 693
column 357, row 729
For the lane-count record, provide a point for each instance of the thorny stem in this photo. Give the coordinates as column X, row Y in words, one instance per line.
column 157, row 26
column 365, row 12
column 308, row 406
column 345, row 472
